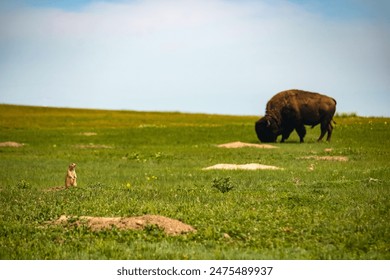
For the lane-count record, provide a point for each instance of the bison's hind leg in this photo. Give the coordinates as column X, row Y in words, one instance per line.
column 301, row 130
column 326, row 127
column 330, row 129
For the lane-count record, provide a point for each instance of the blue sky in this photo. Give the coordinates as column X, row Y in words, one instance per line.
column 210, row 56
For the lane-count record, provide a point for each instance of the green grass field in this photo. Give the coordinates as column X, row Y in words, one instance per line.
column 136, row 163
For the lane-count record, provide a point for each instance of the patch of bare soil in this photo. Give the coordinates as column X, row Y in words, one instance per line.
column 235, row 145
column 92, row 146
column 11, row 144
column 250, row 166
column 170, row 226
column 88, row 133
column 329, row 158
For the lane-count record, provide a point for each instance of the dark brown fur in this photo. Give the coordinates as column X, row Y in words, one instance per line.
column 293, row 109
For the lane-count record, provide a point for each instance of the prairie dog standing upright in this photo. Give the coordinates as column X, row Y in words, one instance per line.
column 71, row 177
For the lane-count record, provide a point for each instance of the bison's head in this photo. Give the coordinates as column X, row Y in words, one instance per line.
column 266, row 129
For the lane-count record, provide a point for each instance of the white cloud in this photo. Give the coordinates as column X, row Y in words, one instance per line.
column 208, row 56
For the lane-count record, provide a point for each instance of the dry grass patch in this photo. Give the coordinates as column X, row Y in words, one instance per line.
column 92, row 146
column 88, row 133
column 250, row 166
column 55, row 189
column 168, row 225
column 235, row 145
column 328, row 158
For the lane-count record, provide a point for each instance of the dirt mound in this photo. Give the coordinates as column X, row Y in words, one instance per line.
column 235, row 145
column 329, row 158
column 250, row 166
column 11, row 144
column 170, row 226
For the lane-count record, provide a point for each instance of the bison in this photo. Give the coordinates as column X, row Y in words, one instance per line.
column 293, row 109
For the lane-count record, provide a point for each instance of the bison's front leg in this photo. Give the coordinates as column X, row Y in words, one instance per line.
column 301, row 130
column 286, row 133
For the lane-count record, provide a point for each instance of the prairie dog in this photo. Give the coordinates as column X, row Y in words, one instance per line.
column 71, row 177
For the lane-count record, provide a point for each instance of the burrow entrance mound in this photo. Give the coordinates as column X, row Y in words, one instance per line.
column 11, row 144
column 168, row 225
